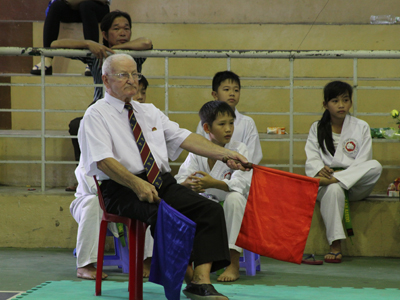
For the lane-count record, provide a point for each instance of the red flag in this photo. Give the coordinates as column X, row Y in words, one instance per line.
column 278, row 214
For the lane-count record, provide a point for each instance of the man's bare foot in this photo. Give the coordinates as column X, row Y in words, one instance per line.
column 71, row 188
column 146, row 267
column 231, row 272
column 189, row 274
column 335, row 252
column 89, row 272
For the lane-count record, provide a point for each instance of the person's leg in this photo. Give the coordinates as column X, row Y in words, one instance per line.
column 87, row 213
column 209, row 217
column 234, row 206
column 148, row 253
column 91, row 13
column 364, row 186
column 365, row 173
column 58, row 12
column 332, row 208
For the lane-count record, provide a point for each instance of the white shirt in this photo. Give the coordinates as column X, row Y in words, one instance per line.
column 246, row 132
column 236, row 180
column 336, row 139
column 105, row 132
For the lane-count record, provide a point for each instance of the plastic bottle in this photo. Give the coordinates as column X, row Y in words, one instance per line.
column 384, row 19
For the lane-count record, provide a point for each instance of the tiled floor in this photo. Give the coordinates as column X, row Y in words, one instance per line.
column 22, row 269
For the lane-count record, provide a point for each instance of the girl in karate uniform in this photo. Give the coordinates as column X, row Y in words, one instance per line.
column 339, row 153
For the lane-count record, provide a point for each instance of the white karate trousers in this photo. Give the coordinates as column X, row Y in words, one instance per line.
column 359, row 180
column 87, row 213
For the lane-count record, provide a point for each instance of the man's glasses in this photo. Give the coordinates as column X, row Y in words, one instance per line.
column 127, row 75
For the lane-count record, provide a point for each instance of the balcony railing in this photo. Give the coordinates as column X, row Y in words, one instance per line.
column 290, row 56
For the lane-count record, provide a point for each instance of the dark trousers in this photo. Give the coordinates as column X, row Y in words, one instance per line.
column 90, row 14
column 210, row 242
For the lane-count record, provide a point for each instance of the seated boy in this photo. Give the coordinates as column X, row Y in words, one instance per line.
column 141, row 94
column 226, row 87
column 216, row 181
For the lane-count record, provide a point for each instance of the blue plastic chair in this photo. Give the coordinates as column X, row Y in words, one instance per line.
column 251, row 262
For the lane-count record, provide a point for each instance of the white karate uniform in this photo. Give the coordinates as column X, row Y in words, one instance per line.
column 245, row 132
column 354, row 154
column 238, row 182
column 87, row 213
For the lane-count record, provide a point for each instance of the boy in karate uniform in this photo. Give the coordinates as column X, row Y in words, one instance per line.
column 217, row 181
column 226, row 87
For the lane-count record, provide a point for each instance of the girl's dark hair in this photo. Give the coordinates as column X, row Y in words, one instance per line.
column 109, row 18
column 210, row 111
column 331, row 90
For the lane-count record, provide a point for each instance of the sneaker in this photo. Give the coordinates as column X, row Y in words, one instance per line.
column 202, row 292
column 87, row 71
column 36, row 70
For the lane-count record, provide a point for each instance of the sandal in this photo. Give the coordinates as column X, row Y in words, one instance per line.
column 334, row 260
column 306, row 260
column 36, row 70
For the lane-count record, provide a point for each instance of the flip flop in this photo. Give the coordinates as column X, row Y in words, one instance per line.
column 334, row 260
column 306, row 260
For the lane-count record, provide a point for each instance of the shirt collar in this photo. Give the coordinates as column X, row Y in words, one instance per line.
column 118, row 104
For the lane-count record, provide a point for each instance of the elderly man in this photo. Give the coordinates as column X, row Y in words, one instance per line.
column 130, row 188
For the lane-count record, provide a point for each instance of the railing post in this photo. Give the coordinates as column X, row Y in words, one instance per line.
column 355, row 85
column 166, row 84
column 291, row 82
column 228, row 63
column 43, row 126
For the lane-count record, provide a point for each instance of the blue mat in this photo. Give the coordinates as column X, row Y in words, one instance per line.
column 111, row 290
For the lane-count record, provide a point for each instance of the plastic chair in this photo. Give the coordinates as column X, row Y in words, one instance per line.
column 251, row 262
column 136, row 233
column 121, row 256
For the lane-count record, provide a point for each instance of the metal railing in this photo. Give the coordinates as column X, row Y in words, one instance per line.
column 291, row 56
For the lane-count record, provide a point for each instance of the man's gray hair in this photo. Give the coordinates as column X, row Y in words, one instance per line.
column 107, row 64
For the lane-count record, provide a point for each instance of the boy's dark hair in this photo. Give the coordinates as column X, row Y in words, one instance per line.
column 331, row 90
column 222, row 76
column 209, row 111
column 109, row 18
column 144, row 82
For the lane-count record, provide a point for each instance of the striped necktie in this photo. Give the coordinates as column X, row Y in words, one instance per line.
column 152, row 170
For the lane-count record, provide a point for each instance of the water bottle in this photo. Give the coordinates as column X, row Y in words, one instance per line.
column 384, row 19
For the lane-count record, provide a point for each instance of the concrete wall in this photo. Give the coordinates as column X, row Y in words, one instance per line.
column 376, row 226
column 35, row 220
column 256, row 11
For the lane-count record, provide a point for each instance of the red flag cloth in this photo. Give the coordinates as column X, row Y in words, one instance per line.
column 278, row 214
